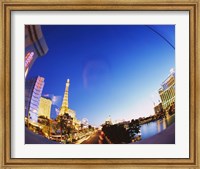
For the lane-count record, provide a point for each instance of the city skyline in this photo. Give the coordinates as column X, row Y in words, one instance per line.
column 113, row 70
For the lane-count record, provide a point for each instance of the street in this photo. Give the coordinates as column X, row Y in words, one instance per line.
column 95, row 138
column 32, row 138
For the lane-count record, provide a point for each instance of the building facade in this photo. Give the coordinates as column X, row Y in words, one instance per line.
column 33, row 91
column 45, row 107
column 158, row 108
column 167, row 91
column 35, row 45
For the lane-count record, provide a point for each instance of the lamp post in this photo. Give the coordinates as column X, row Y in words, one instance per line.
column 61, row 121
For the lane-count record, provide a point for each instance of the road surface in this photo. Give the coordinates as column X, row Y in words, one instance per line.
column 32, row 138
column 95, row 138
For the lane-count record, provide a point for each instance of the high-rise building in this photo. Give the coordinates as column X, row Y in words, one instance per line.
column 35, row 45
column 167, row 91
column 65, row 105
column 33, row 91
column 45, row 107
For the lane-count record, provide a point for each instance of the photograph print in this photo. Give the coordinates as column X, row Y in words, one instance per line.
column 99, row 84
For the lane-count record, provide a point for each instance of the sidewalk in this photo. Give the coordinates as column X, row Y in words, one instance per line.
column 165, row 137
column 32, row 138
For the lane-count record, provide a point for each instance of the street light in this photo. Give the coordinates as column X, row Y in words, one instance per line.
column 61, row 120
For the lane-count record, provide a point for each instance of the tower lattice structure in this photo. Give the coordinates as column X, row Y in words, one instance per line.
column 65, row 105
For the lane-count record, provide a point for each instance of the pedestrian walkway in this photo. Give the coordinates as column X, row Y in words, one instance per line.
column 165, row 137
column 32, row 138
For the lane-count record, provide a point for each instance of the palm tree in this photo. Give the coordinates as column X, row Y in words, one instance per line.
column 42, row 117
column 49, row 124
column 60, row 124
column 134, row 128
column 64, row 123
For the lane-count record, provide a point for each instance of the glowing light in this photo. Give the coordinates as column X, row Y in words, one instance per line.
column 28, row 59
column 26, row 72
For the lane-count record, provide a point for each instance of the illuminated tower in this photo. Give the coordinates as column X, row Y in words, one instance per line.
column 65, row 107
column 33, row 91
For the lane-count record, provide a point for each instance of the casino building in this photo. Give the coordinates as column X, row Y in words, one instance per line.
column 167, row 91
column 45, row 107
column 33, row 91
column 35, row 45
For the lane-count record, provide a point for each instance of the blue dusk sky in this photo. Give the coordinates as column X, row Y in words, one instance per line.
column 114, row 70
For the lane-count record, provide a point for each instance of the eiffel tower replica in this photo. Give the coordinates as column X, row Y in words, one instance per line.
column 64, row 108
column 65, row 105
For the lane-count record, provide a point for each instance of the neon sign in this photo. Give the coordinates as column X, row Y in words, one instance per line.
column 28, row 59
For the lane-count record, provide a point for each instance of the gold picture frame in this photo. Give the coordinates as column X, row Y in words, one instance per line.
column 118, row 5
